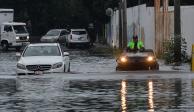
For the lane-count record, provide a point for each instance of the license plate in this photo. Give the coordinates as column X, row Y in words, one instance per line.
column 80, row 38
column 38, row 72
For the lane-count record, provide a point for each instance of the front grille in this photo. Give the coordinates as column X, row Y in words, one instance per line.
column 23, row 38
column 138, row 59
column 38, row 67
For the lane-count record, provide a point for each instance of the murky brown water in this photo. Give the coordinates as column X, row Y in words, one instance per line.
column 94, row 86
column 57, row 94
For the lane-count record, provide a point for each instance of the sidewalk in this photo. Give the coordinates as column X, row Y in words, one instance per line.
column 100, row 49
column 186, row 67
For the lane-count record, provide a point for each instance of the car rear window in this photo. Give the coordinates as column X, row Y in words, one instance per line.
column 78, row 32
column 42, row 51
column 53, row 33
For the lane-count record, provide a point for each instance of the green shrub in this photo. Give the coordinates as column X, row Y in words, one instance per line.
column 169, row 55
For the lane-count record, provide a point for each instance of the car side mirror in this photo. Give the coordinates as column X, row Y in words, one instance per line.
column 66, row 54
column 18, row 54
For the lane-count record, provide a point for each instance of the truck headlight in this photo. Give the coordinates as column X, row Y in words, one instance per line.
column 21, row 66
column 28, row 37
column 17, row 38
column 57, row 65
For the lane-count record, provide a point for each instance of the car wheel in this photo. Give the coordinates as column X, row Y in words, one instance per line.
column 19, row 74
column 118, row 69
column 4, row 46
column 153, row 68
column 68, row 68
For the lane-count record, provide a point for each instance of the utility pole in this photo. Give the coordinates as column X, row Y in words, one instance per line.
column 122, row 23
column 177, row 32
column 157, row 27
column 165, row 20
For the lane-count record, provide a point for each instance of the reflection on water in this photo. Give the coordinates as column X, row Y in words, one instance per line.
column 150, row 96
column 123, row 96
column 193, row 89
column 8, row 87
column 57, row 94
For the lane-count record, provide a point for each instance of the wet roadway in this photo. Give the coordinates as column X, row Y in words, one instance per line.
column 93, row 85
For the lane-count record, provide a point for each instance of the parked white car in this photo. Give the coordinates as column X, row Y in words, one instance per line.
column 78, row 36
column 55, row 35
column 43, row 58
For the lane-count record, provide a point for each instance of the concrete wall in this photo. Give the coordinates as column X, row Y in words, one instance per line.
column 141, row 22
column 112, row 30
column 187, row 24
column 141, row 18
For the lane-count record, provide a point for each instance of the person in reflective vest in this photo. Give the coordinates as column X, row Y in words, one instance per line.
column 135, row 44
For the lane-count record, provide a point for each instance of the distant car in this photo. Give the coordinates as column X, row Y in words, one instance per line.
column 78, row 37
column 141, row 60
column 43, row 58
column 55, row 35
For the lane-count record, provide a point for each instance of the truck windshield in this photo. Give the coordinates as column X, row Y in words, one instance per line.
column 20, row 29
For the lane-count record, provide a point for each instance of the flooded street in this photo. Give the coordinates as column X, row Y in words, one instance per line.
column 93, row 85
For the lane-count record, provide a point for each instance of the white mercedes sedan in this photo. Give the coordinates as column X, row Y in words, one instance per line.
column 43, row 58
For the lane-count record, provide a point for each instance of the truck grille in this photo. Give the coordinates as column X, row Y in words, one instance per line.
column 23, row 38
column 38, row 67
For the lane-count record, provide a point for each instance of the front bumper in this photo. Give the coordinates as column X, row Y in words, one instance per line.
column 79, row 41
column 19, row 44
column 138, row 66
column 26, row 72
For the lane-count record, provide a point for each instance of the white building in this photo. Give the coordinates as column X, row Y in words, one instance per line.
column 143, row 19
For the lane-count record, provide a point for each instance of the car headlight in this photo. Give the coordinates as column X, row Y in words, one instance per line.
column 21, row 66
column 150, row 58
column 17, row 38
column 123, row 59
column 28, row 37
column 57, row 65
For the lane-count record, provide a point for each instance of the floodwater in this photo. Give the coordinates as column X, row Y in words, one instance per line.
column 93, row 85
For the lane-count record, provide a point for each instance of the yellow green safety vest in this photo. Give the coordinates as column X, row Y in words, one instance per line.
column 131, row 44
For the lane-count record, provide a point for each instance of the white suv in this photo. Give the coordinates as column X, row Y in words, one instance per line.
column 78, row 37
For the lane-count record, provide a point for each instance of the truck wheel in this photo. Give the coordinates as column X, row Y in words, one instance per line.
column 64, row 68
column 4, row 46
column 68, row 68
column 66, row 44
column 18, row 48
